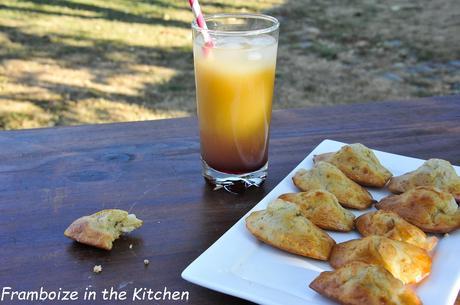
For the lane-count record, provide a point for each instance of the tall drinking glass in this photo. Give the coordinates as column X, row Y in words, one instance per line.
column 234, row 89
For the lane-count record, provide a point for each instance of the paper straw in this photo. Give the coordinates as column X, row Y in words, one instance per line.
column 201, row 22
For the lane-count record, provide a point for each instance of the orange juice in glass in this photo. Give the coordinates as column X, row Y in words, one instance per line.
column 234, row 88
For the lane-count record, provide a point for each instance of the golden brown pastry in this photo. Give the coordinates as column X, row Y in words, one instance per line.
column 102, row 228
column 325, row 176
column 358, row 163
column 283, row 226
column 391, row 225
column 434, row 172
column 428, row 208
column 323, row 209
column 358, row 283
column 404, row 261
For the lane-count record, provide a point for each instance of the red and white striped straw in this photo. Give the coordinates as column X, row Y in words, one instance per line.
column 201, row 22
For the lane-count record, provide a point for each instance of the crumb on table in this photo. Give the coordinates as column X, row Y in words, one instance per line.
column 130, row 246
column 146, row 262
column 97, row 269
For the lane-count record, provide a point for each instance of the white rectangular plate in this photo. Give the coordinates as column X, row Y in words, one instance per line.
column 239, row 265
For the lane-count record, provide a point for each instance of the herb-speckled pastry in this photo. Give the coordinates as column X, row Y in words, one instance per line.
column 434, row 172
column 358, row 163
column 323, row 209
column 283, row 226
column 102, row 228
column 391, row 225
column 404, row 261
column 428, row 208
column 363, row 284
column 325, row 176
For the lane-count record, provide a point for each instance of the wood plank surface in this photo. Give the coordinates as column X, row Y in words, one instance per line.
column 49, row 177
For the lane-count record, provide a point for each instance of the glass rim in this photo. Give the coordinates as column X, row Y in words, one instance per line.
column 265, row 30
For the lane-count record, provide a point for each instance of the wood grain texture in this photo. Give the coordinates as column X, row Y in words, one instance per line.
column 49, row 177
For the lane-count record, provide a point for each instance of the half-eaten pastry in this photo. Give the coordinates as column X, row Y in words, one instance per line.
column 102, row 228
column 428, row 208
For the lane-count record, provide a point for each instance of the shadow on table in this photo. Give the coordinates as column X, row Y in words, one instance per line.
column 120, row 247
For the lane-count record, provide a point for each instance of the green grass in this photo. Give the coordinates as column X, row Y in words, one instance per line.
column 65, row 62
column 98, row 61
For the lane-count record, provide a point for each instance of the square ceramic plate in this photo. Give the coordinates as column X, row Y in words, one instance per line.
column 239, row 265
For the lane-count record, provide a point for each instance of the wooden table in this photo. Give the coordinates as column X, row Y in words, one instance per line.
column 49, row 177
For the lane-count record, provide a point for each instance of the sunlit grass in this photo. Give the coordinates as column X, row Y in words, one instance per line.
column 95, row 61
column 66, row 62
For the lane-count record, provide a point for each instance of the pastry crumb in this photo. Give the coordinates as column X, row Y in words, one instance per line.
column 146, row 262
column 446, row 234
column 130, row 246
column 97, row 269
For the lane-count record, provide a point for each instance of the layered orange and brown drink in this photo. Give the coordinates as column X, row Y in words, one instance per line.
column 234, row 84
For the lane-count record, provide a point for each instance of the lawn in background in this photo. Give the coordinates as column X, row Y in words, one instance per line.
column 65, row 62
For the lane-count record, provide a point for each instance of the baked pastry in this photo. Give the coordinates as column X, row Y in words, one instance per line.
column 358, row 163
column 325, row 176
column 434, row 172
column 404, row 261
column 358, row 283
column 430, row 209
column 323, row 209
column 283, row 226
column 391, row 225
column 102, row 228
